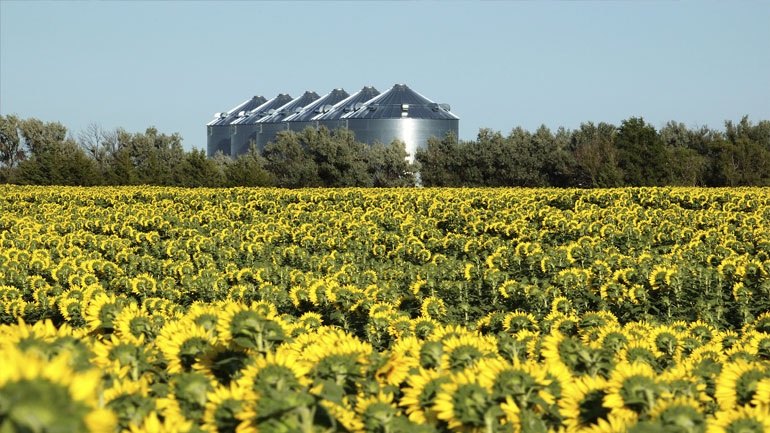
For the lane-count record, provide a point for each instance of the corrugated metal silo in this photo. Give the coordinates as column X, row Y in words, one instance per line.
column 270, row 126
column 333, row 118
column 218, row 130
column 401, row 113
column 297, row 122
column 245, row 128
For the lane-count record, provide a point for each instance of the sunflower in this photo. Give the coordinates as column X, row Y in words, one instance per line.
column 639, row 351
column 681, row 414
column 666, row 340
column 203, row 314
column 562, row 305
column 632, row 386
column 518, row 320
column 738, row 381
column 420, row 395
column 250, row 328
column 279, row 371
column 464, row 403
column 133, row 355
column 526, row 384
column 433, row 307
column 377, row 412
column 613, row 292
column 183, row 343
column 460, row 352
column 130, row 400
column 229, row 408
column 133, row 323
column 310, row 320
column 404, row 357
column 582, row 404
column 39, row 394
column 343, row 414
column 423, row 327
column 187, row 397
column 702, row 331
column 741, row 419
column 152, row 424
column 339, row 357
column 102, row 310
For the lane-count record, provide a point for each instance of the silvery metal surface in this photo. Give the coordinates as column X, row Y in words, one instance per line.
column 400, row 101
column 413, row 132
column 244, row 129
column 294, row 106
column 270, row 126
column 321, row 105
column 331, row 119
column 351, row 103
column 226, row 117
column 399, row 113
column 218, row 130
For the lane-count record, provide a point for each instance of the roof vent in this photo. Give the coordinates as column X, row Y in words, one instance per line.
column 242, row 114
column 433, row 106
column 270, row 112
column 372, row 107
column 357, row 106
column 326, row 108
column 445, row 107
column 298, row 110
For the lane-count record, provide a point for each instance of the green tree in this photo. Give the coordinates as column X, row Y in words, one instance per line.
column 641, row 154
column 440, row 162
column 120, row 168
column 10, row 142
column 595, row 155
column 198, row 171
column 339, row 159
column 388, row 165
column 289, row 163
column 246, row 170
column 155, row 156
column 99, row 144
column 53, row 158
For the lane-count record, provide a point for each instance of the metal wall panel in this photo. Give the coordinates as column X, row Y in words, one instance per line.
column 413, row 132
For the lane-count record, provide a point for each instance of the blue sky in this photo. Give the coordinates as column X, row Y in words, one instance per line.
column 499, row 64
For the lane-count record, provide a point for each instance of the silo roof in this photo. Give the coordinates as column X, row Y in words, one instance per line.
column 263, row 110
column 293, row 106
column 319, row 106
column 227, row 117
column 401, row 101
column 349, row 104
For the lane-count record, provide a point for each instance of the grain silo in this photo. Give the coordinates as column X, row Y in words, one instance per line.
column 218, row 130
column 332, row 119
column 271, row 125
column 297, row 122
column 403, row 114
column 245, row 129
column 399, row 113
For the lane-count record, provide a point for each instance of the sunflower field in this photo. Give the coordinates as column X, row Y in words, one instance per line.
column 152, row 309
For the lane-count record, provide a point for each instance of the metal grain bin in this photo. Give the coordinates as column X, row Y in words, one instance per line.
column 403, row 114
column 270, row 126
column 218, row 130
column 245, row 129
column 297, row 122
column 332, row 119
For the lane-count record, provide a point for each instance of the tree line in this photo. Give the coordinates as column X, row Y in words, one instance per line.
column 594, row 155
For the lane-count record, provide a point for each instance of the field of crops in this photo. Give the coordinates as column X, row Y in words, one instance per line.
column 421, row 310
